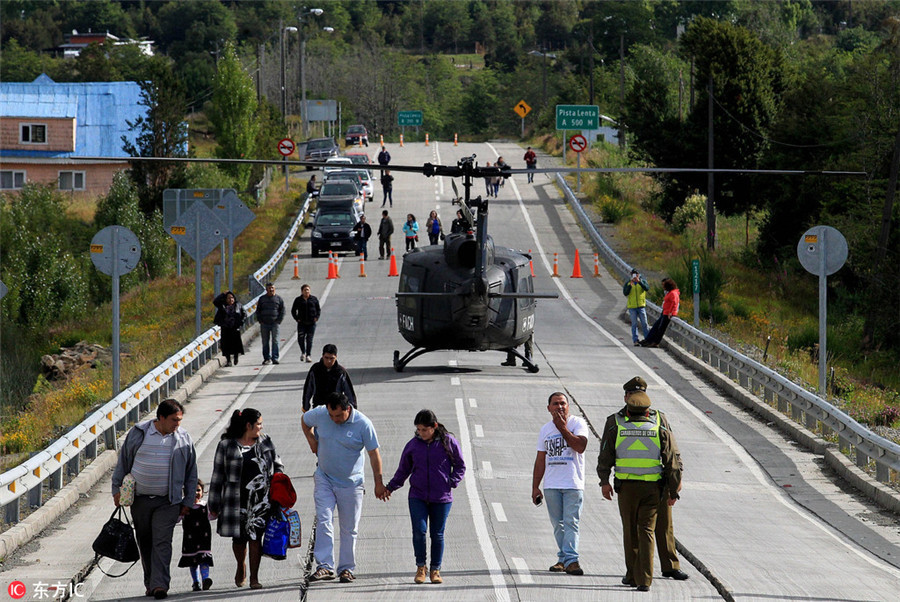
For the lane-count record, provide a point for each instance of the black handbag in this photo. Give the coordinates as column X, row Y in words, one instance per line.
column 116, row 541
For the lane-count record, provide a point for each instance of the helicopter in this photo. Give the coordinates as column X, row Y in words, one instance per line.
column 469, row 294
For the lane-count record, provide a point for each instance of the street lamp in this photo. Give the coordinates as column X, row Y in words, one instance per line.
column 316, row 12
column 284, row 30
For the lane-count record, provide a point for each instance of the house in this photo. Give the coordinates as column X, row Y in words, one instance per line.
column 45, row 127
column 76, row 42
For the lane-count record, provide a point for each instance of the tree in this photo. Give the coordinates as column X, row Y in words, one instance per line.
column 232, row 112
column 162, row 132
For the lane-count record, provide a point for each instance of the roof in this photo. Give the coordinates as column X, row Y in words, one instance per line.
column 101, row 111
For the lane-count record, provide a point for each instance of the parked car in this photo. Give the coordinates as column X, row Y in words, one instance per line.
column 332, row 227
column 359, row 176
column 355, row 133
column 342, row 190
column 320, row 150
column 335, row 163
column 360, row 158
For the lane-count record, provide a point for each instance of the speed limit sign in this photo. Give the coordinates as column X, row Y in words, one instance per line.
column 578, row 143
column 286, row 147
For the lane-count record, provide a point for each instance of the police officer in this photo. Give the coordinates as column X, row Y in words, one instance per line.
column 643, row 451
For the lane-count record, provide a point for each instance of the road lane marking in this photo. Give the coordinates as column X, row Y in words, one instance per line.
column 522, row 570
column 473, row 403
column 452, row 363
column 478, row 520
column 498, row 511
column 454, row 381
column 487, row 471
column 479, row 432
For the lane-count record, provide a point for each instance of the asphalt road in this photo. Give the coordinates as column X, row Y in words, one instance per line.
column 758, row 515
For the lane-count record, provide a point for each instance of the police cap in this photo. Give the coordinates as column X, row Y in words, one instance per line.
column 637, row 401
column 635, row 384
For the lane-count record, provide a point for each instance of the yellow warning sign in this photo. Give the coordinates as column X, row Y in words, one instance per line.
column 96, row 248
column 811, row 238
column 522, row 109
column 179, row 230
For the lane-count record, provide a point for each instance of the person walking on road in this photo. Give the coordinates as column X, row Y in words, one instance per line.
column 643, row 453
column 160, row 455
column 432, row 461
column 530, row 163
column 306, row 311
column 243, row 466
column 411, row 232
column 384, row 157
column 385, row 230
column 362, row 232
column 560, row 464
column 387, row 185
column 669, row 310
column 635, row 291
column 269, row 313
column 459, row 225
column 196, row 545
column 326, row 377
column 230, row 316
column 434, row 228
column 341, row 434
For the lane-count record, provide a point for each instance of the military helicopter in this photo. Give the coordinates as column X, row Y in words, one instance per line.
column 469, row 294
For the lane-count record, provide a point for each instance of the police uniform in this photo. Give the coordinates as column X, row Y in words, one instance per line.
column 643, row 452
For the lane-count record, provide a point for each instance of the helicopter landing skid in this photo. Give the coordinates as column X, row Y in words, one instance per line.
column 400, row 363
column 531, row 366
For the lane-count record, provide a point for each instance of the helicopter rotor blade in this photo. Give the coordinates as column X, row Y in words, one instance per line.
column 524, row 295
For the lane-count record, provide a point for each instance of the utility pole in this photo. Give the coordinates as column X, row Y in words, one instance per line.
column 710, row 178
column 622, row 90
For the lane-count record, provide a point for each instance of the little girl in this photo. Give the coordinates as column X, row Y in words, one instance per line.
column 197, row 542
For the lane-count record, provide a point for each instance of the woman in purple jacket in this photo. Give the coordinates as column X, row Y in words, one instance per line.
column 433, row 462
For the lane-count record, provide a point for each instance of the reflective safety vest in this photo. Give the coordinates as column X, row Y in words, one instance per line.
column 638, row 449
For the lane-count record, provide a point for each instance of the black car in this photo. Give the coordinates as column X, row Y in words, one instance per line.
column 355, row 133
column 320, row 150
column 333, row 227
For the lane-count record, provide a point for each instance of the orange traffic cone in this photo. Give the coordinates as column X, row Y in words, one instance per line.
column 576, row 269
column 426, row 139
column 337, row 274
column 555, row 273
column 596, row 265
column 401, row 139
column 531, row 264
column 455, row 140
column 296, row 275
column 332, row 272
column 393, row 271
column 382, row 139
column 362, row 266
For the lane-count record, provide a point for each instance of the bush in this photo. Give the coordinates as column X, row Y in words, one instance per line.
column 693, row 210
column 614, row 210
column 805, row 338
column 739, row 308
column 888, row 416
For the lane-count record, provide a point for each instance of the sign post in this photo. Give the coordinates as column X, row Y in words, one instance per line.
column 522, row 109
column 822, row 250
column 695, row 280
column 115, row 251
column 286, row 147
column 576, row 117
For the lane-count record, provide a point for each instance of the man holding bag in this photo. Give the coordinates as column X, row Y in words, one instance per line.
column 161, row 457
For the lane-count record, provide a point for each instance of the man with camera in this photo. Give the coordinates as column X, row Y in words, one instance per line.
column 635, row 291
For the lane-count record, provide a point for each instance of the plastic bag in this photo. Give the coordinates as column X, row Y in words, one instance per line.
column 276, row 538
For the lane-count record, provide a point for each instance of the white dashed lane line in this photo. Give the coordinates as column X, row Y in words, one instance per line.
column 498, row 512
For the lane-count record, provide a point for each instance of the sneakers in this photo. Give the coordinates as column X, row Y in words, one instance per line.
column 347, row 576
column 207, row 583
column 322, row 574
column 574, row 568
column 420, row 575
column 308, row 360
column 302, row 357
column 275, row 362
column 196, row 587
column 266, row 362
column 436, row 576
column 557, row 568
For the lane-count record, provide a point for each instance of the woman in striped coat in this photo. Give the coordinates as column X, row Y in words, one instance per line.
column 244, row 463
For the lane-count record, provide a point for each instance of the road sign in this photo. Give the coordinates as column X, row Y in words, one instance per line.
column 3, row 290
column 522, row 109
column 115, row 250
column 577, row 117
column 286, row 147
column 409, row 118
column 578, row 143
column 819, row 241
column 198, row 231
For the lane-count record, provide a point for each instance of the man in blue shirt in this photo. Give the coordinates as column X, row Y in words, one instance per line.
column 341, row 434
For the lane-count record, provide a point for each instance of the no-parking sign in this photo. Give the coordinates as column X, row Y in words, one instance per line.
column 578, row 143
column 286, row 147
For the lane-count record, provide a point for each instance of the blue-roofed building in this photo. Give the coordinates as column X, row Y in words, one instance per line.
column 46, row 126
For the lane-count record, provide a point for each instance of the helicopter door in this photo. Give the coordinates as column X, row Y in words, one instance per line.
column 525, row 306
column 409, row 309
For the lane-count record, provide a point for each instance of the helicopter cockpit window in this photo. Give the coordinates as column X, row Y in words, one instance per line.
column 411, row 283
column 525, row 286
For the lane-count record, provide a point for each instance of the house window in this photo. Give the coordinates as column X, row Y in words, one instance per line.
column 33, row 133
column 12, row 180
column 71, row 180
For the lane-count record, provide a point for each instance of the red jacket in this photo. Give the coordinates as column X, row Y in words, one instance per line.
column 671, row 302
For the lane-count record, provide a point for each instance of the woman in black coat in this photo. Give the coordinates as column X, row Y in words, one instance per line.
column 230, row 316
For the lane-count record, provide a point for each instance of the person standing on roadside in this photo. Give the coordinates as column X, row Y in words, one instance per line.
column 560, row 464
column 459, row 225
column 385, row 230
column 387, row 185
column 306, row 311
column 160, row 455
column 434, row 228
column 341, row 434
column 384, row 157
column 669, row 310
column 530, row 163
column 269, row 313
column 311, row 189
column 635, row 291
column 362, row 233
column 230, row 316
column 326, row 377
column 411, row 231
column 643, row 452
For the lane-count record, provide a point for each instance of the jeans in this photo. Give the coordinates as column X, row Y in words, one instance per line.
column 638, row 313
column 564, row 508
column 421, row 512
column 348, row 501
column 388, row 197
column 267, row 331
column 384, row 247
column 154, row 521
column 305, row 334
column 433, row 238
column 362, row 248
column 531, row 175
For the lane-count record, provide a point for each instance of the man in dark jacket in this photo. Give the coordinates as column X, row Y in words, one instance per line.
column 385, row 229
column 325, row 377
column 387, row 185
column 269, row 314
column 384, row 157
column 306, row 312
column 362, row 232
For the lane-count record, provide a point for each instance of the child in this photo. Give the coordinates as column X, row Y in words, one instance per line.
column 197, row 542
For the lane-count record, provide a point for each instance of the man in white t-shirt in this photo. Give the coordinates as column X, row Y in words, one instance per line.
column 560, row 464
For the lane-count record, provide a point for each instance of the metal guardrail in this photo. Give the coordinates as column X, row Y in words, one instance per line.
column 803, row 406
column 79, row 445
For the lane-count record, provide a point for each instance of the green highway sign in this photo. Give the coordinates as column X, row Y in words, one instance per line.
column 577, row 117
column 409, row 118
